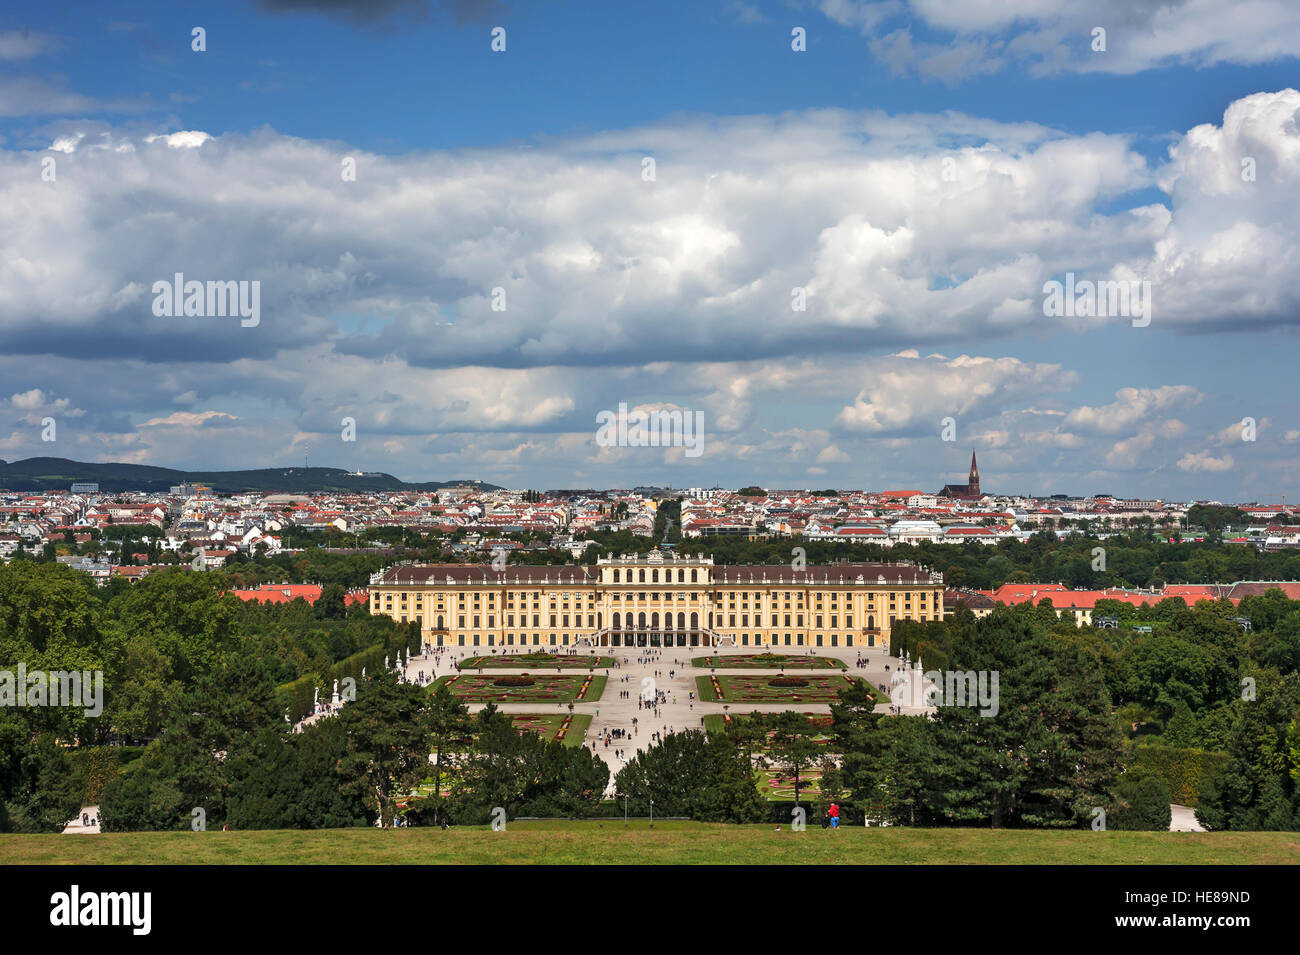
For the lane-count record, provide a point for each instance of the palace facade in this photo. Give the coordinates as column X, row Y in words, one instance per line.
column 655, row 600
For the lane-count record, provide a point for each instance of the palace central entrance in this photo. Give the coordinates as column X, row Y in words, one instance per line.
column 655, row 638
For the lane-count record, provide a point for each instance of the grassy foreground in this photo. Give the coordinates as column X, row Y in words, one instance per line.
column 608, row 841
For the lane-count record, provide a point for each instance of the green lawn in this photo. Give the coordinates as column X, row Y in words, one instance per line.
column 608, row 841
column 769, row 661
column 547, row 725
column 876, row 693
column 704, row 689
column 578, row 729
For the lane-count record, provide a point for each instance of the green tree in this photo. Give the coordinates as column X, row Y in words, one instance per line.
column 1141, row 802
column 40, row 786
column 388, row 750
column 792, row 747
column 689, row 774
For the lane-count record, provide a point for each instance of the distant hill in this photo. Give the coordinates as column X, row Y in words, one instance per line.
column 57, row 474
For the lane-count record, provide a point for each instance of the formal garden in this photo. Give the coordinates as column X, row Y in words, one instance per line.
column 806, row 688
column 769, row 661
column 567, row 728
column 537, row 660
column 777, row 785
column 524, row 687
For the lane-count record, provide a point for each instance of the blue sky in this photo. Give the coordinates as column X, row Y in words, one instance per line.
column 522, row 170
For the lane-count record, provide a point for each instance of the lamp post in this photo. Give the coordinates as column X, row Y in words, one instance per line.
column 652, row 812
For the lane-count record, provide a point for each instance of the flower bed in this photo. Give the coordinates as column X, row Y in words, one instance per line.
column 732, row 688
column 522, row 688
column 514, row 681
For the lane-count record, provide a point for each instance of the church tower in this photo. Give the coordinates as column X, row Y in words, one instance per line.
column 973, row 481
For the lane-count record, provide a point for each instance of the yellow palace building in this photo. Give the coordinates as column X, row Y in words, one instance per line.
column 659, row 599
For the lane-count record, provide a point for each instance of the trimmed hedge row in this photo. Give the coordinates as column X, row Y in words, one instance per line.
column 297, row 696
column 1183, row 768
column 100, row 764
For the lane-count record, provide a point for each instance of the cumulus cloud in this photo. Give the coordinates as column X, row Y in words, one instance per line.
column 904, row 395
column 910, row 236
column 187, row 419
column 185, row 139
column 1204, row 461
column 1127, row 453
column 1131, row 407
column 953, row 41
column 896, row 229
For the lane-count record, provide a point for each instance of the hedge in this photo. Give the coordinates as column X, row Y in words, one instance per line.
column 99, row 764
column 298, row 696
column 1183, row 768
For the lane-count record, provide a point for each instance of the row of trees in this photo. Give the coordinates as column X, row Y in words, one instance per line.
column 237, row 764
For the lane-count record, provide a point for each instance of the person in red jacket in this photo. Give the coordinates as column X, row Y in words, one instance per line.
column 835, row 816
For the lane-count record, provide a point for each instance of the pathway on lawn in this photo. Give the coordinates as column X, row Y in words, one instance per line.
column 1183, row 819
column 74, row 826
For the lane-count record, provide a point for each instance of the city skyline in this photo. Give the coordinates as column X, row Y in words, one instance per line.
column 288, row 470
column 839, row 262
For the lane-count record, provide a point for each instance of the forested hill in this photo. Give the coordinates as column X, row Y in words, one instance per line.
column 58, row 474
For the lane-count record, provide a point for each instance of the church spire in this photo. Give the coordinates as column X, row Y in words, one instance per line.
column 973, row 481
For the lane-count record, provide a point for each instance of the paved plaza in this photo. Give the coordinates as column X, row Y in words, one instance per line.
column 639, row 670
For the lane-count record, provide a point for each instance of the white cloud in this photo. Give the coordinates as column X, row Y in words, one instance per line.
column 185, row 139
column 1049, row 36
column 857, row 208
column 907, row 395
column 1131, row 407
column 188, row 419
column 1127, row 453
column 1204, row 461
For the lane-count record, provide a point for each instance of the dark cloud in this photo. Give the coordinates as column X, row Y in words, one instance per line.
column 374, row 11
